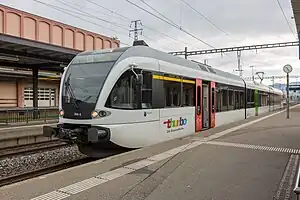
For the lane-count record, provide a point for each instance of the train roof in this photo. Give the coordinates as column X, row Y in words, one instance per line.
column 145, row 51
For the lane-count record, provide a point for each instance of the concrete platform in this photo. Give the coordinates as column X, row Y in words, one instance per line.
column 253, row 160
column 21, row 135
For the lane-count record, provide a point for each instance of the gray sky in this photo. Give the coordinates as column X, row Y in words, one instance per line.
column 239, row 22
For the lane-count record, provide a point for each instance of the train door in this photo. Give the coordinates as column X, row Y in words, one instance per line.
column 205, row 109
column 198, row 106
column 212, row 104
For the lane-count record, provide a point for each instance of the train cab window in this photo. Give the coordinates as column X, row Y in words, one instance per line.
column 124, row 93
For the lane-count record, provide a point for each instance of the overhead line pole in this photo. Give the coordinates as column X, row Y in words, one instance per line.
column 136, row 29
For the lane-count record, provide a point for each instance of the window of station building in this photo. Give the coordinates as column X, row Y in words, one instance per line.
column 43, row 94
column 28, row 94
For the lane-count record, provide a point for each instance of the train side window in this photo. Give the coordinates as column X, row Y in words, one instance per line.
column 219, row 97
column 231, row 99
column 172, row 93
column 124, row 93
column 225, row 99
column 147, row 90
column 242, row 99
column 188, row 94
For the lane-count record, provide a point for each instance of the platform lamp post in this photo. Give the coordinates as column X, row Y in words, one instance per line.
column 287, row 69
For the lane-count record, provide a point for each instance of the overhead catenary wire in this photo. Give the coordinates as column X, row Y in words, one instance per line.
column 286, row 20
column 206, row 18
column 166, row 35
column 176, row 26
column 108, row 9
column 125, row 18
column 65, row 12
column 166, row 19
column 92, row 16
column 158, row 12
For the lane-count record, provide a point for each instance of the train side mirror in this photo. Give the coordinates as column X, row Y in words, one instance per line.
column 132, row 66
column 139, row 77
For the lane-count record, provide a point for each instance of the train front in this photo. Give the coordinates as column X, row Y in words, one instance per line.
column 80, row 89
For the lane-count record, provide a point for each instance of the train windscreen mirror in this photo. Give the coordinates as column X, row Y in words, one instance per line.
column 132, row 66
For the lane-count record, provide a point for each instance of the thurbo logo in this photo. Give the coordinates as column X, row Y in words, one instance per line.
column 177, row 124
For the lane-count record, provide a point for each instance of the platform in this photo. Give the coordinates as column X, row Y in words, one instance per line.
column 12, row 136
column 253, row 160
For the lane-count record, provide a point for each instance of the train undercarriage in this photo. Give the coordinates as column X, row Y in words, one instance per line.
column 93, row 141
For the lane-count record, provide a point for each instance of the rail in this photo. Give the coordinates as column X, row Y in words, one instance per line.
column 27, row 115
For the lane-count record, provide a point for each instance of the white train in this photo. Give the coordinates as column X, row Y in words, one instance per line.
column 137, row 96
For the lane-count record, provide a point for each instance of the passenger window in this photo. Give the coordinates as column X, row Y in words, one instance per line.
column 124, row 94
column 147, row 90
column 172, row 93
column 188, row 94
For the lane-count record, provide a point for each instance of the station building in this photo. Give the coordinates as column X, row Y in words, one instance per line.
column 16, row 84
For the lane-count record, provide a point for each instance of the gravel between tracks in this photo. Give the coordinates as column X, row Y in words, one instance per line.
column 20, row 164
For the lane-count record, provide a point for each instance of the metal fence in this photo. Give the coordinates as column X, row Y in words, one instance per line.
column 27, row 115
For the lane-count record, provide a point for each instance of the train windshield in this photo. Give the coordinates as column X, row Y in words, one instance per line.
column 86, row 75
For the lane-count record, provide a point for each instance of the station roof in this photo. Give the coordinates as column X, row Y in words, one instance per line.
column 296, row 11
column 24, row 53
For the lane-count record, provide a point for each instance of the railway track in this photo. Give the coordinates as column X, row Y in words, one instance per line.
column 31, row 148
column 31, row 174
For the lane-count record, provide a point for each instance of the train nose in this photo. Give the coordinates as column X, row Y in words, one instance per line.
column 96, row 134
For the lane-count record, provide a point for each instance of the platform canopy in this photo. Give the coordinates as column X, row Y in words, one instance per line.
column 23, row 53
column 296, row 11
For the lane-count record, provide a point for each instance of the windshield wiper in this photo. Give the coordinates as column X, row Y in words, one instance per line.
column 70, row 91
column 87, row 98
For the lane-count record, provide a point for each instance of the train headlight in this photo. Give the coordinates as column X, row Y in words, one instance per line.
column 61, row 113
column 94, row 114
column 100, row 113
